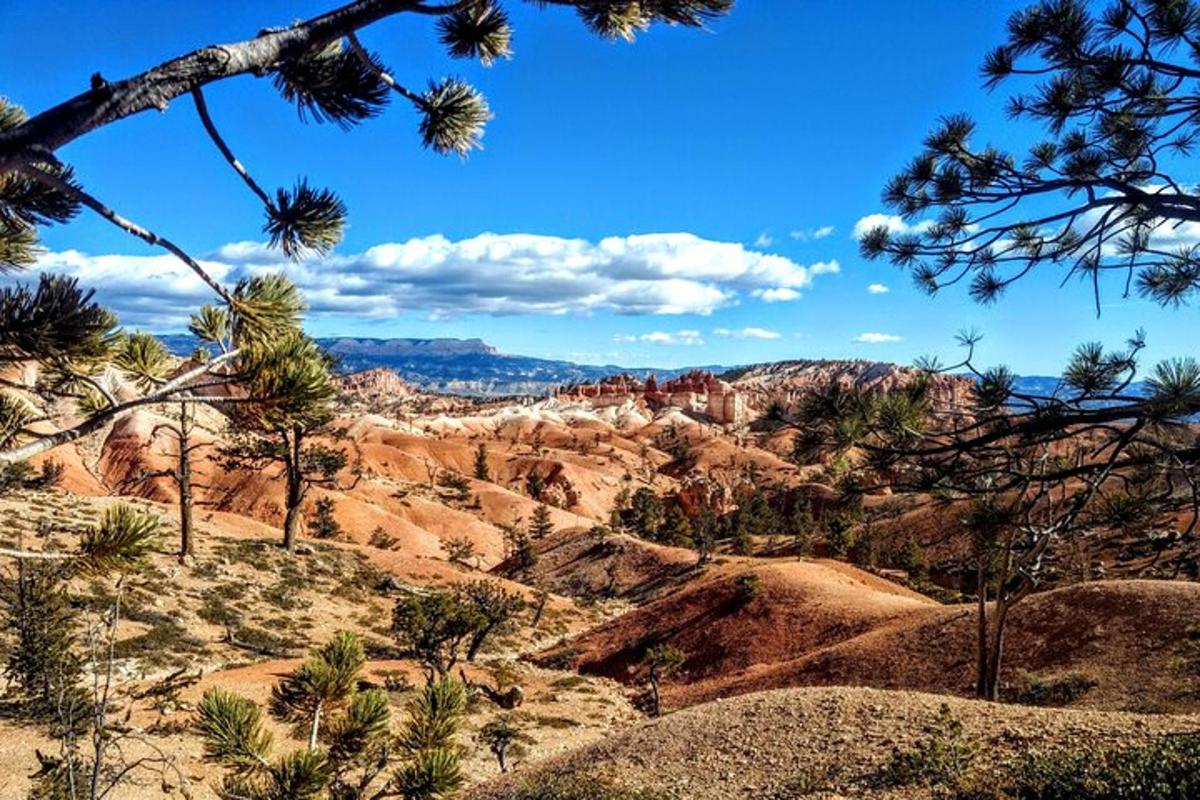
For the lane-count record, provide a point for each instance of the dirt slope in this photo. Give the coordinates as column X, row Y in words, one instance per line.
column 775, row 745
column 745, row 613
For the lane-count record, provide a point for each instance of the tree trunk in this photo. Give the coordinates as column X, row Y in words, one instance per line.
column 291, row 524
column 999, row 624
column 981, row 663
column 476, row 642
column 293, row 518
column 654, row 694
column 185, row 484
column 503, row 762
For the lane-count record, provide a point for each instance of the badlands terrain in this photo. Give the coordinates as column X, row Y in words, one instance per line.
column 801, row 673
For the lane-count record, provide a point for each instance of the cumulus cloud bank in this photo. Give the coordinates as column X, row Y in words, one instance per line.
column 497, row 274
column 878, row 288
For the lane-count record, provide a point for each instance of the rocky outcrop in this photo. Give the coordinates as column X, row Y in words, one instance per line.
column 787, row 382
column 697, row 392
column 375, row 384
column 699, row 491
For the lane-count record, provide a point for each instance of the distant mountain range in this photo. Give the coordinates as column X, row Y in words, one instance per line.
column 460, row 366
column 471, row 367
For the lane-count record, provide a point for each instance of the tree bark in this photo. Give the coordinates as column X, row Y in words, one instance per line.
column 981, row 663
column 293, row 518
column 38, row 137
column 185, row 483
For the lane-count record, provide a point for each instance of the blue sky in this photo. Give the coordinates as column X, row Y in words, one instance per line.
column 647, row 201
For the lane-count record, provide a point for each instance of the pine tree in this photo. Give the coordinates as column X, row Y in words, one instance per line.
column 482, row 472
column 540, row 524
column 361, row 758
column 289, row 378
column 661, row 660
column 325, row 525
column 504, row 738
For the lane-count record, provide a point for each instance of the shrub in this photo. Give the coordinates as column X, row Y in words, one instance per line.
column 1061, row 690
column 941, row 759
column 381, row 539
column 458, row 484
column 747, row 587
column 1166, row 769
column 324, row 525
column 576, row 787
column 461, row 552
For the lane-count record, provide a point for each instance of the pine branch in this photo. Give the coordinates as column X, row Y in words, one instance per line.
column 219, row 141
column 128, row 226
column 167, row 391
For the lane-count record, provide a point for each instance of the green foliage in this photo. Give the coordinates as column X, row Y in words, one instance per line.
column 494, row 610
column 332, row 84
column 120, row 541
column 481, row 30
column 482, row 473
column 211, row 324
column 359, row 747
column 305, row 220
column 459, row 484
column 41, row 660
column 503, row 737
column 461, row 551
column 1057, row 691
column 942, row 758
column 520, row 547
column 624, row 20
column 454, row 117
column 323, row 683
column 26, row 202
column 663, row 659
column 1165, row 769
column 754, row 517
column 747, row 587
column 535, row 484
column 144, row 357
column 646, row 514
column 540, row 524
column 233, row 732
column 432, row 626
column 324, row 524
column 266, row 309
column 437, row 626
column 435, row 715
column 57, row 322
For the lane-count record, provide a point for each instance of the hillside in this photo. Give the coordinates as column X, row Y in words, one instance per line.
column 826, row 743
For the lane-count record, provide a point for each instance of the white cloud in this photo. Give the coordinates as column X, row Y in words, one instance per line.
column 876, row 338
column 782, row 295
column 878, row 288
column 831, row 267
column 686, row 337
column 892, row 222
column 812, row 234
column 496, row 274
column 764, row 240
column 746, row 333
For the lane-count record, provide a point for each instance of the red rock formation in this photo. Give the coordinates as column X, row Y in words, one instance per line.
column 375, row 384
